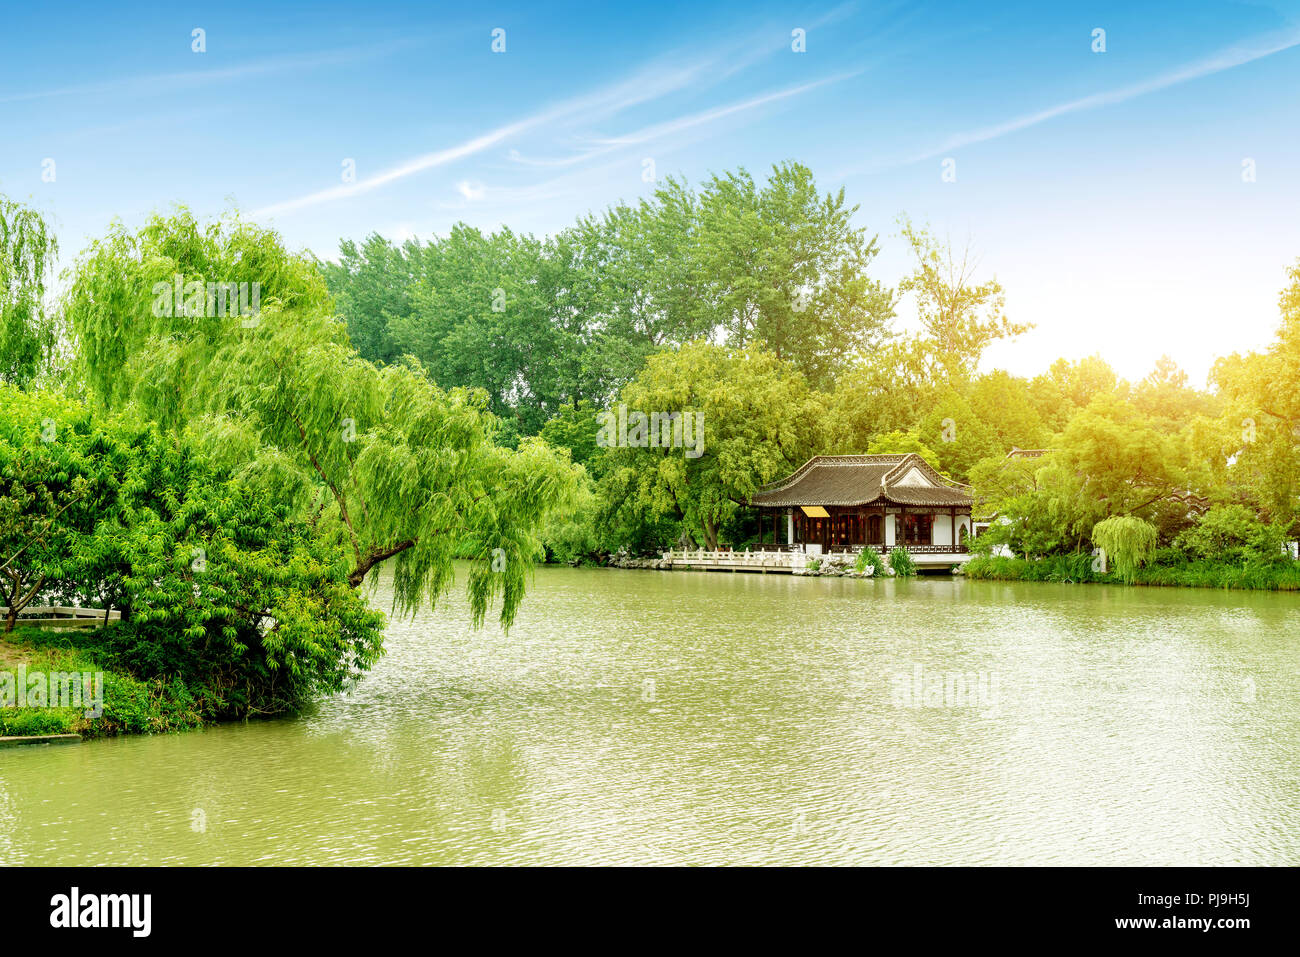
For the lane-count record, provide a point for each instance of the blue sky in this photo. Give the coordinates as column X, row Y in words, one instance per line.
column 1105, row 190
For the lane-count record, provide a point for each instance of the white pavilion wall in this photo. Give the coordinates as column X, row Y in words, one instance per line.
column 941, row 530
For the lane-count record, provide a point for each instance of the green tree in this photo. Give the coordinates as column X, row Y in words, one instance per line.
column 757, row 419
column 372, row 285
column 49, row 492
column 1068, row 386
column 1030, row 502
column 782, row 266
column 960, row 318
column 574, row 534
column 27, row 333
column 1166, row 398
column 960, row 436
column 890, row 389
column 223, row 589
column 122, row 308
column 902, row 442
column 1232, row 533
column 574, row 428
column 1003, row 402
column 636, row 284
column 1257, row 458
column 1109, row 461
column 1127, row 541
column 484, row 315
column 391, row 465
column 1121, row 464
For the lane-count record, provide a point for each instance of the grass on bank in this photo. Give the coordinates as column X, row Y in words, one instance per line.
column 1279, row 576
column 131, row 705
column 901, row 562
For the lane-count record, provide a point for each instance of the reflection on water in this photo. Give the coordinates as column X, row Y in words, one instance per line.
column 649, row 717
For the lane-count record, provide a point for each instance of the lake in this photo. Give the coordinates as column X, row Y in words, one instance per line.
column 641, row 717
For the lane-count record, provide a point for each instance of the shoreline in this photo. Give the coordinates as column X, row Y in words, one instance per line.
column 1066, row 570
column 1077, row 570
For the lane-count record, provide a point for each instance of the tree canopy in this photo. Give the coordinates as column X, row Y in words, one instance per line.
column 224, row 587
column 542, row 323
column 382, row 459
column 755, row 418
column 28, row 337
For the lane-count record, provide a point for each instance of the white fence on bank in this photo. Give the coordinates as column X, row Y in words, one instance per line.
column 796, row 557
column 60, row 616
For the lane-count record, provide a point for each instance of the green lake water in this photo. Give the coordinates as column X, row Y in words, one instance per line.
column 639, row 717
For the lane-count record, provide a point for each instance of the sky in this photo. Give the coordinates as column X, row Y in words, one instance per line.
column 1135, row 201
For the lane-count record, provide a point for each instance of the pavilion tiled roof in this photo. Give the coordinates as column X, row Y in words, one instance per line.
column 861, row 480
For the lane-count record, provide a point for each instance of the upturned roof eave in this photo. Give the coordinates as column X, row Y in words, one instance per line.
column 877, row 499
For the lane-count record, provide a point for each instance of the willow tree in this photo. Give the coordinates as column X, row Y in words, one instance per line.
column 1127, row 541
column 27, row 252
column 381, row 460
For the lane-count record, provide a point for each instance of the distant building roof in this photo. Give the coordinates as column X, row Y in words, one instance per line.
column 1196, row 504
column 900, row 479
column 1018, row 453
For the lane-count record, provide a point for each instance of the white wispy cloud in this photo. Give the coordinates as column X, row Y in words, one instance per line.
column 1226, row 59
column 171, row 81
column 567, row 187
column 776, row 38
column 667, row 76
column 645, row 86
column 670, row 127
column 471, row 190
column 659, row 131
column 555, row 161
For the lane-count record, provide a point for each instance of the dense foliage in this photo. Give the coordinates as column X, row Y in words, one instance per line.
column 541, row 324
column 1128, row 541
column 218, row 587
column 233, row 471
column 381, row 460
column 28, row 339
column 753, row 419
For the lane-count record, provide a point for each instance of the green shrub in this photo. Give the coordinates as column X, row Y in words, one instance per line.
column 130, row 705
column 1284, row 576
column 1170, row 555
column 19, row 722
column 1233, row 534
column 1074, row 567
column 244, row 601
column 870, row 558
column 901, row 562
column 573, row 536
